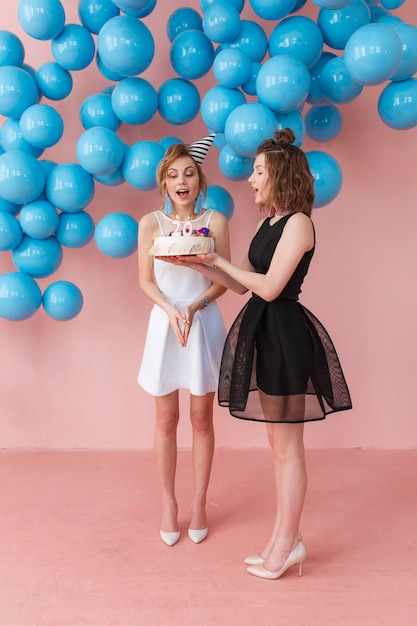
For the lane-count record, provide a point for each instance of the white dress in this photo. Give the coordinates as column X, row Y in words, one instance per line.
column 166, row 366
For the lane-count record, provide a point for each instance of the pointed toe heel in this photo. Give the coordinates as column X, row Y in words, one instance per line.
column 197, row 536
column 254, row 559
column 170, row 539
column 296, row 557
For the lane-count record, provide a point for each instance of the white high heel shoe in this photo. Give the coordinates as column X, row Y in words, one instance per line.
column 197, row 536
column 170, row 538
column 295, row 557
column 257, row 559
column 254, row 559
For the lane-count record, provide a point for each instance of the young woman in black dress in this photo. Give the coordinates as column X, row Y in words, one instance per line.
column 279, row 364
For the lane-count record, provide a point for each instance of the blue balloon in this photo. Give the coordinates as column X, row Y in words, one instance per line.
column 41, row 19
column 54, row 81
column 134, row 101
column 140, row 163
column 62, row 300
column 323, row 123
column 219, row 199
column 397, row 104
column 178, row 101
column 126, row 46
column 206, row 4
column 392, row 4
column 332, row 4
column 9, row 207
column 336, row 84
column 337, row 25
column 18, row 90
column 75, row 230
column 166, row 142
column 298, row 5
column 217, row 104
column 408, row 64
column 378, row 13
column 39, row 219
column 373, row 54
column 283, row 83
column 299, row 37
column 327, row 175
column 37, row 257
column 12, row 139
column 250, row 86
column 272, row 9
column 69, row 187
column 12, row 51
column 251, row 40
column 97, row 110
column 94, row 14
column 295, row 121
column 116, row 235
column 191, row 54
column 234, row 166
column 41, row 125
column 221, row 22
column 316, row 96
column 232, row 67
column 100, row 151
column 113, row 76
column 74, row 48
column 22, row 178
column 113, row 179
column 47, row 166
column 182, row 19
column 137, row 8
column 20, row 296
column 247, row 126
column 10, row 231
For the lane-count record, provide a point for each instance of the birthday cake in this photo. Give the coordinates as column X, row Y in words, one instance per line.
column 180, row 246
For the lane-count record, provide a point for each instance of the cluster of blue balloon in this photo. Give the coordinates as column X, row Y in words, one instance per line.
column 42, row 204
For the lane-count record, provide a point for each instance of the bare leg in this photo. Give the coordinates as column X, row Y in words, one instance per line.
column 278, row 482
column 288, row 449
column 201, row 415
column 167, row 416
column 286, row 441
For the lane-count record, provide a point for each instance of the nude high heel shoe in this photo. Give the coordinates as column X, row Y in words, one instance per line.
column 295, row 557
column 257, row 559
column 170, row 538
column 254, row 559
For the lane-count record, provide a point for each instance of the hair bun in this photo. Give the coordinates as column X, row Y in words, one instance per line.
column 284, row 137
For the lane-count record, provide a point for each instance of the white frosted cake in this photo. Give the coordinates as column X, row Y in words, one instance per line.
column 171, row 245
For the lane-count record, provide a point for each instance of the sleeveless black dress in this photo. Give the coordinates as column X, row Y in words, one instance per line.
column 279, row 364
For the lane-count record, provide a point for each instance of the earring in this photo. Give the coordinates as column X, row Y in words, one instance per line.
column 168, row 205
column 199, row 203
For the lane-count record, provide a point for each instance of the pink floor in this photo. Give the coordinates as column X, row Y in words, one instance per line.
column 79, row 542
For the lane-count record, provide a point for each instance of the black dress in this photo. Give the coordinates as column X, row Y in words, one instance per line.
column 279, row 363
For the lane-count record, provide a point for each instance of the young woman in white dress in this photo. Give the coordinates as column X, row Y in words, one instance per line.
column 186, row 332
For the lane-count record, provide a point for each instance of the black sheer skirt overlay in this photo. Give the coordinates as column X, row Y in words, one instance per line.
column 279, row 365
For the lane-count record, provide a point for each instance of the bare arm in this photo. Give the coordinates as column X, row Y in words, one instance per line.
column 148, row 230
column 297, row 238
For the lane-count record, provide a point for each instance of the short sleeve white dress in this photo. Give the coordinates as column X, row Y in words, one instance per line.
column 166, row 366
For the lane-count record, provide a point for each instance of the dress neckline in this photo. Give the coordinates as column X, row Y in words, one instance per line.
column 192, row 218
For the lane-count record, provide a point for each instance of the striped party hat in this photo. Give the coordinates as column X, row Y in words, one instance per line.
column 198, row 150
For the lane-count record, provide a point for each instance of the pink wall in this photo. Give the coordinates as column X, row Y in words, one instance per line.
column 73, row 384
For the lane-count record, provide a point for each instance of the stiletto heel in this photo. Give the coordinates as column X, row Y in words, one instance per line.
column 170, row 538
column 295, row 557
